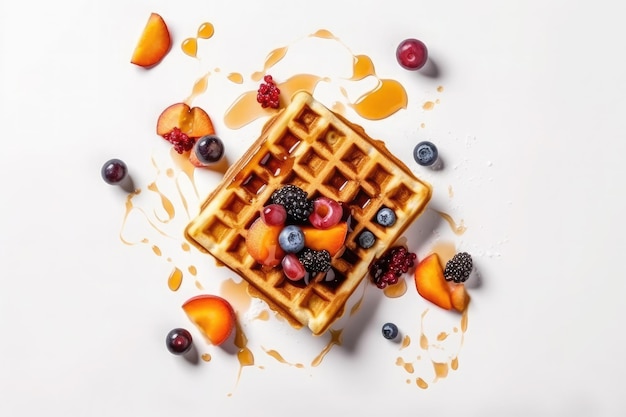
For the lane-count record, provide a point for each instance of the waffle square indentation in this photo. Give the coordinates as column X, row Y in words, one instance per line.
column 378, row 177
column 362, row 199
column 336, row 181
column 354, row 158
column 313, row 162
column 306, row 119
column 272, row 164
column 217, row 230
column 254, row 184
column 401, row 195
column 233, row 207
column 332, row 139
column 288, row 142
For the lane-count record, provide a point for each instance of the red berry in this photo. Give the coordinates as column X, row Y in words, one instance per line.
column 274, row 215
column 412, row 54
column 326, row 213
column 389, row 267
column 292, row 267
column 268, row 94
column 180, row 140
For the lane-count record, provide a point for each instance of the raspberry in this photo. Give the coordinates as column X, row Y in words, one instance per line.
column 295, row 200
column 181, row 141
column 315, row 260
column 268, row 94
column 388, row 268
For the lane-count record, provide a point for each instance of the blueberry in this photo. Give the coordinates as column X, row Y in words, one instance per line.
column 291, row 239
column 386, row 217
column 390, row 331
column 178, row 341
column 425, row 153
column 209, row 149
column 366, row 239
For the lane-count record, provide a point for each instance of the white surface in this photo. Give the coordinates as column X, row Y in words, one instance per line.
column 530, row 127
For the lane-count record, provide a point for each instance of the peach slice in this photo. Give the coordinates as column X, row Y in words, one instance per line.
column 331, row 239
column 431, row 283
column 262, row 243
column 212, row 315
column 459, row 297
column 192, row 121
column 154, row 43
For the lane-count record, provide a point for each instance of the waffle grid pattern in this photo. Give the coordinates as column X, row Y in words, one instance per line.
column 309, row 146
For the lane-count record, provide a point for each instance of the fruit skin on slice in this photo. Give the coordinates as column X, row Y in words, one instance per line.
column 154, row 43
column 262, row 243
column 331, row 239
column 431, row 283
column 192, row 121
column 459, row 296
column 212, row 315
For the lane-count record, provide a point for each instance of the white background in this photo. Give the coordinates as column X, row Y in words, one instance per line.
column 530, row 126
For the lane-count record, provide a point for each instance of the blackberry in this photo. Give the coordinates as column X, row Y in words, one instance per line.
column 315, row 260
column 294, row 200
column 459, row 268
column 388, row 268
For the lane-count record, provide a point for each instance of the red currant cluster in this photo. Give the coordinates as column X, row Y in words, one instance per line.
column 395, row 262
column 268, row 94
column 182, row 142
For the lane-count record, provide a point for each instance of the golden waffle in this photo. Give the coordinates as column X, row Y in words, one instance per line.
column 308, row 145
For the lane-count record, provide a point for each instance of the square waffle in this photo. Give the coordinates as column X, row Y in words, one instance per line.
column 310, row 146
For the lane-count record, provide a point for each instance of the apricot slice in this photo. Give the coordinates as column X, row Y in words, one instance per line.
column 262, row 243
column 212, row 315
column 192, row 121
column 431, row 283
column 459, row 297
column 154, row 43
column 331, row 239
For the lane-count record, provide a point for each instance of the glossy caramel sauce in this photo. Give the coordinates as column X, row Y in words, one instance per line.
column 190, row 45
column 396, row 290
column 175, row 279
column 335, row 339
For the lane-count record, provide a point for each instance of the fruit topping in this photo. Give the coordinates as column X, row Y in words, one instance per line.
column 212, row 315
column 182, row 142
column 459, row 268
column 153, row 44
column 262, row 243
column 412, row 54
column 430, row 282
column 390, row 331
column 192, row 121
column 386, row 217
column 315, row 260
column 326, row 213
column 331, row 239
column 425, row 153
column 178, row 341
column 294, row 200
column 388, row 268
column 366, row 239
column 291, row 239
column 274, row 214
column 268, row 94
column 209, row 149
column 114, row 171
column 292, row 267
column 459, row 297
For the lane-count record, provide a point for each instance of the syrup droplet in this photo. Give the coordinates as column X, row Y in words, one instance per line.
column 276, row 355
column 165, row 202
column 406, row 341
column 421, row 383
column 192, row 270
column 429, row 105
column 324, row 34
column 362, row 67
column 244, row 355
column 236, row 293
column 175, row 279
column 185, row 246
column 457, row 229
column 272, row 59
column 442, row 336
column 199, row 87
column 206, row 30
column 441, row 370
column 156, row 250
column 408, row 367
column 206, row 357
column 440, row 89
column 396, row 290
column 235, row 77
column 190, row 47
column 384, row 100
column 335, row 339
column 454, row 364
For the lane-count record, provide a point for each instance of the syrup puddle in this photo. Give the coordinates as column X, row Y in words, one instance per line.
column 458, row 229
column 335, row 339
